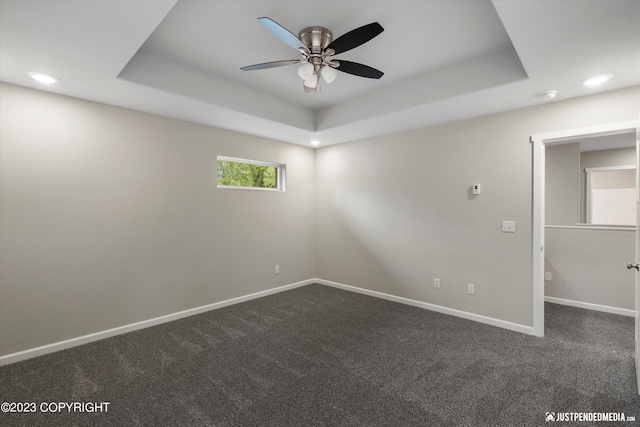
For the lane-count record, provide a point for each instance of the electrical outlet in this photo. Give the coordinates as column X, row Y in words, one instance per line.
column 547, row 276
column 277, row 269
column 471, row 289
column 436, row 283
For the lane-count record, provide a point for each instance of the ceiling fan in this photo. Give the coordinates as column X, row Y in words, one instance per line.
column 317, row 47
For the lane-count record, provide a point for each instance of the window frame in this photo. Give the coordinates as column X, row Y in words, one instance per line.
column 281, row 169
column 588, row 201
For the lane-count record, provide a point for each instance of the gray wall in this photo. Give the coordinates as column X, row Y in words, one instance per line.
column 565, row 188
column 395, row 211
column 110, row 216
column 596, row 159
column 562, row 184
column 589, row 266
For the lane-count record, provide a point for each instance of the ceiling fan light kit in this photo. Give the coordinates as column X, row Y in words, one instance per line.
column 317, row 47
column 328, row 74
column 306, row 71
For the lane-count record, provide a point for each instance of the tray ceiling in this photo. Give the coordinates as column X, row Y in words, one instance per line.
column 443, row 60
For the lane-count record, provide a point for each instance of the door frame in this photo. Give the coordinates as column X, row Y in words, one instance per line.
column 537, row 230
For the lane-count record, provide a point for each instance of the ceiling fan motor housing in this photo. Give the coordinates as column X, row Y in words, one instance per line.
column 316, row 38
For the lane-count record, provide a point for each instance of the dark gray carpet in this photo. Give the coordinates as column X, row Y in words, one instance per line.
column 319, row 356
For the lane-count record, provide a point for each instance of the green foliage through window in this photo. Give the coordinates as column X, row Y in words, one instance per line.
column 238, row 174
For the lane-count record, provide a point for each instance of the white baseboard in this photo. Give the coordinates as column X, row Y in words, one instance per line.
column 589, row 306
column 73, row 342
column 438, row 308
column 85, row 339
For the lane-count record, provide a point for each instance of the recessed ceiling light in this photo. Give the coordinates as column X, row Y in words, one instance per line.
column 315, row 142
column 596, row 80
column 43, row 78
column 548, row 95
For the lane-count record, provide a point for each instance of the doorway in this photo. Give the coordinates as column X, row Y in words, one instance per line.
column 590, row 222
column 539, row 153
column 538, row 229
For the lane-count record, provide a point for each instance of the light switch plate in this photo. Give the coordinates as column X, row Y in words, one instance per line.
column 508, row 226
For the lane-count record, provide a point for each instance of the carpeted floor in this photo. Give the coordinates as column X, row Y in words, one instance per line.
column 319, row 356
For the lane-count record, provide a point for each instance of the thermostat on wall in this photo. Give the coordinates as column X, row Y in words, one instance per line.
column 476, row 189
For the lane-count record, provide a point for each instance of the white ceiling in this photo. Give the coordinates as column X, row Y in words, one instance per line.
column 443, row 60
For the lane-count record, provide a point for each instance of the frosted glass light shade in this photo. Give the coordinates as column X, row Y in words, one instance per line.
column 312, row 81
column 328, row 73
column 305, row 71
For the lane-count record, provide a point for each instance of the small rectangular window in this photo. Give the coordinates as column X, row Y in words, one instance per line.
column 250, row 174
column 611, row 195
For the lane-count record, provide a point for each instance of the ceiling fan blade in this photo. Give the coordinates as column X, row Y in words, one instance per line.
column 359, row 70
column 283, row 34
column 273, row 64
column 355, row 38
